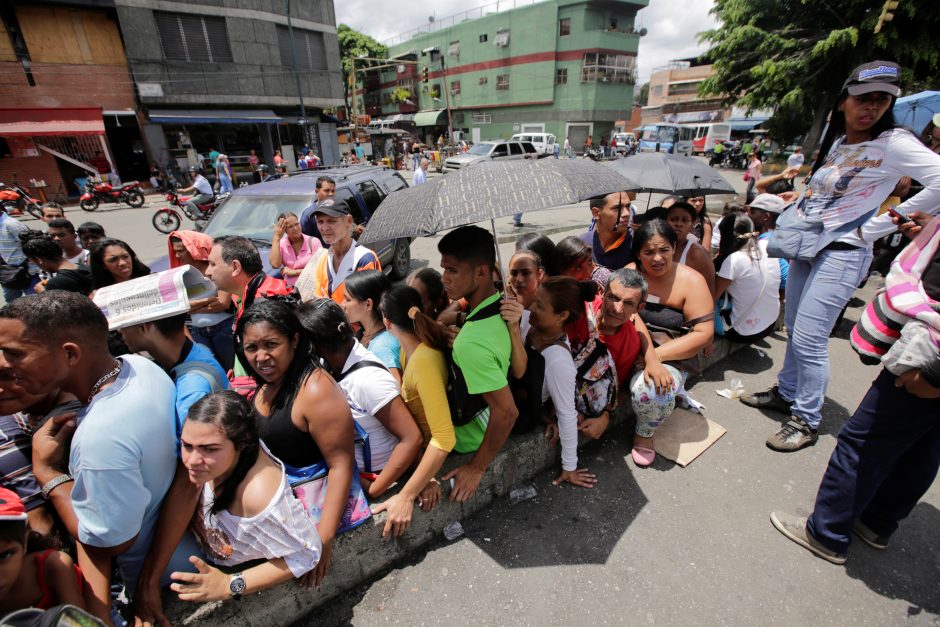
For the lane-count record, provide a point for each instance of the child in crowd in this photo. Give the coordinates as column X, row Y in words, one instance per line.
column 40, row 579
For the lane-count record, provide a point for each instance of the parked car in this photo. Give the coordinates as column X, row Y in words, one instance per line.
column 620, row 143
column 491, row 150
column 252, row 211
column 543, row 142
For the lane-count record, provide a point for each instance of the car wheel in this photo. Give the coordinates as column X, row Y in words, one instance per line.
column 401, row 259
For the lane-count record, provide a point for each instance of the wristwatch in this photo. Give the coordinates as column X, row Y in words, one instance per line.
column 236, row 586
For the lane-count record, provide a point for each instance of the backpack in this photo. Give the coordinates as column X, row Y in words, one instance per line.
column 267, row 287
column 527, row 390
column 596, row 381
column 464, row 406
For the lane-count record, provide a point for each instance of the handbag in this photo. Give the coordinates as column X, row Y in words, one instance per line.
column 596, row 385
column 310, row 486
column 747, row 176
column 15, row 277
column 797, row 237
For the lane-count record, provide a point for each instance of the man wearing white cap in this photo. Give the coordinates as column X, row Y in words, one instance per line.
column 763, row 213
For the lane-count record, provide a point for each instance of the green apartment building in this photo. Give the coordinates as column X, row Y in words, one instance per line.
column 565, row 67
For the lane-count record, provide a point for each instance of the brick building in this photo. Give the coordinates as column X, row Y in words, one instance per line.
column 67, row 94
column 565, row 67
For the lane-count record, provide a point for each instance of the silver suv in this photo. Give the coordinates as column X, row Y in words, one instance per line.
column 491, row 150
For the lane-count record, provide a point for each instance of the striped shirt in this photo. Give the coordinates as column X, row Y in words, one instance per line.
column 331, row 283
column 10, row 247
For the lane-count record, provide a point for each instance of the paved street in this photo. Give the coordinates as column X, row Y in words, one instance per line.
column 664, row 545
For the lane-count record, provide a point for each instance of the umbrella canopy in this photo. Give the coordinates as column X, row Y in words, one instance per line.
column 489, row 190
column 664, row 173
column 916, row 110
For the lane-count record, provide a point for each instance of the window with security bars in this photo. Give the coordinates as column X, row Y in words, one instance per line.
column 455, row 88
column 608, row 68
column 311, row 51
column 483, row 80
column 502, row 82
column 191, row 37
column 561, row 76
column 481, row 118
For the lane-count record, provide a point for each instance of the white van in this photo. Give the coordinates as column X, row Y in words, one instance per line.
column 544, row 142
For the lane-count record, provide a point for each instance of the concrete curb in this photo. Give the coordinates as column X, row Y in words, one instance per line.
column 361, row 553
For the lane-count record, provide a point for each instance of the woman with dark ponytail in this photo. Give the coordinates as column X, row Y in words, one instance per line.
column 424, row 390
column 246, row 509
column 862, row 158
column 559, row 302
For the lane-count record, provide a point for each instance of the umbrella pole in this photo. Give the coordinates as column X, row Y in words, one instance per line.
column 649, row 199
column 499, row 256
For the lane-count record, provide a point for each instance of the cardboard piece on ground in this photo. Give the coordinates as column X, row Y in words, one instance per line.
column 685, row 435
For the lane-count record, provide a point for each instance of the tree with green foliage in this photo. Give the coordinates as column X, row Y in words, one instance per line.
column 793, row 55
column 354, row 44
column 642, row 95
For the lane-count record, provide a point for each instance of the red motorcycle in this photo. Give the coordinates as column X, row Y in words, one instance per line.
column 96, row 193
column 167, row 219
column 15, row 199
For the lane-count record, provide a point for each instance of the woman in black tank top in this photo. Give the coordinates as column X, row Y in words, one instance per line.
column 303, row 417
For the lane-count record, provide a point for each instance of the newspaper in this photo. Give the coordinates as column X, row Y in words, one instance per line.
column 152, row 297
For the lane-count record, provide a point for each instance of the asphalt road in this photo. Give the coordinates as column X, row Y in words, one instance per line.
column 664, row 545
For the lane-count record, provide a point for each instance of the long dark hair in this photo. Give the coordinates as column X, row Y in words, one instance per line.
column 101, row 276
column 737, row 232
column 230, row 412
column 542, row 246
column 402, row 306
column 368, row 285
column 282, row 318
column 569, row 295
column 836, row 128
column 569, row 251
column 434, row 286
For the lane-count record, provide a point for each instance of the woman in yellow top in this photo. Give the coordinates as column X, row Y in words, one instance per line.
column 424, row 389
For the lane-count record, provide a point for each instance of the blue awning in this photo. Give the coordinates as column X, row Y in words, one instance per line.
column 214, row 116
column 745, row 125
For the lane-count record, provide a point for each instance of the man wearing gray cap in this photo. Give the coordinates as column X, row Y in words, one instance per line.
column 344, row 256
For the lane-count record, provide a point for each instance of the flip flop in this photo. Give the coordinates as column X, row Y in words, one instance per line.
column 642, row 456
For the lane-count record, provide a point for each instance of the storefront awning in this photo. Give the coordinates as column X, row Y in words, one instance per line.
column 745, row 125
column 429, row 118
column 20, row 122
column 214, row 116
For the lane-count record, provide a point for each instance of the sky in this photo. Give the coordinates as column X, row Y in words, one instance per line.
column 671, row 24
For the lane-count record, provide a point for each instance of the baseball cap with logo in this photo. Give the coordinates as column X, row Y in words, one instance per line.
column 770, row 203
column 874, row 76
column 328, row 206
column 11, row 507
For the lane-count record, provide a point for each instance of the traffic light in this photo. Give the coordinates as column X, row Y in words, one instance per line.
column 424, row 75
column 887, row 14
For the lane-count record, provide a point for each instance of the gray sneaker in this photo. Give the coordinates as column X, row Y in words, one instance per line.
column 870, row 537
column 768, row 399
column 794, row 528
column 792, row 436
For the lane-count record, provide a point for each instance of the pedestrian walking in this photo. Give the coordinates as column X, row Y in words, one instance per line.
column 862, row 158
column 567, row 148
column 555, row 150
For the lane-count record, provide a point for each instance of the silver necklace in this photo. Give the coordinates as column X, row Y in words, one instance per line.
column 97, row 386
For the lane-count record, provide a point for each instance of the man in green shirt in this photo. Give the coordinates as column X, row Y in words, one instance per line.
column 481, row 351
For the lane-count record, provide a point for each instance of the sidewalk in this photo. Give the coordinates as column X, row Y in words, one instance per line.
column 670, row 545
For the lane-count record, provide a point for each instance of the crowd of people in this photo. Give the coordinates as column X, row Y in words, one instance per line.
column 220, row 452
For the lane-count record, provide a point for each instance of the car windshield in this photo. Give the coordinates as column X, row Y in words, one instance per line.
column 481, row 149
column 254, row 216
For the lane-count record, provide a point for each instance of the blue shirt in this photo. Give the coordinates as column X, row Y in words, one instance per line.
column 614, row 259
column 387, row 349
column 308, row 222
column 193, row 384
column 10, row 247
column 123, row 458
column 784, row 264
column 360, row 153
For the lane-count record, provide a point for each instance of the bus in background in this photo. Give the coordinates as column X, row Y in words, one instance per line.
column 706, row 135
column 666, row 137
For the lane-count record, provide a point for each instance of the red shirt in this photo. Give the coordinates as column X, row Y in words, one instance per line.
column 624, row 347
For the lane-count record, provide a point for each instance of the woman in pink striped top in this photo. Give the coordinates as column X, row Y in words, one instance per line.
column 291, row 250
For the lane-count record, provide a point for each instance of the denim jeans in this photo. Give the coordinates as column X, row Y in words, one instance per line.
column 816, row 293
column 517, row 218
column 885, row 459
column 219, row 339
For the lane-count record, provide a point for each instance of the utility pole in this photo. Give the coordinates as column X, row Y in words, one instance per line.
column 450, row 128
column 300, row 92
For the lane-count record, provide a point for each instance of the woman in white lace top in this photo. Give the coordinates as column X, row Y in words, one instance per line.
column 246, row 510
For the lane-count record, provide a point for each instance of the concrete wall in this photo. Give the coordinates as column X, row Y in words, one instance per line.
column 256, row 78
column 361, row 553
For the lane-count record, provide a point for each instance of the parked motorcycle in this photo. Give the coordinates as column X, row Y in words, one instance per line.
column 593, row 153
column 168, row 219
column 97, row 192
column 16, row 199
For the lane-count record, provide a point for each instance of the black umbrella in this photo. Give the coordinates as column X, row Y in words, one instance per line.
column 490, row 190
column 664, row 173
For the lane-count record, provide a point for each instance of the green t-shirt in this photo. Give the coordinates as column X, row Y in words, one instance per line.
column 481, row 351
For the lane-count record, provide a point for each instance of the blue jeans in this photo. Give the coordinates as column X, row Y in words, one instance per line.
column 517, row 218
column 10, row 294
column 885, row 459
column 816, row 293
column 219, row 339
